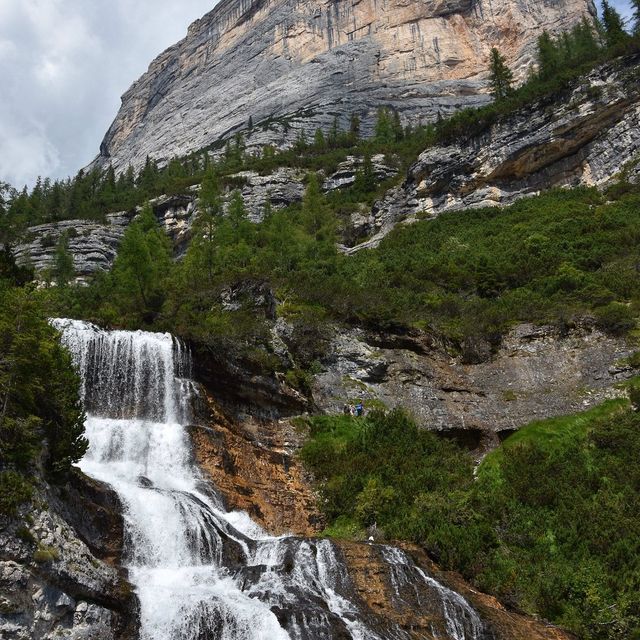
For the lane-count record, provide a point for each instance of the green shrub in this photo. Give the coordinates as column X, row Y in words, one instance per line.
column 44, row 554
column 615, row 318
column 15, row 490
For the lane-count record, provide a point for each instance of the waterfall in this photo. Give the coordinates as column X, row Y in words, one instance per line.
column 201, row 573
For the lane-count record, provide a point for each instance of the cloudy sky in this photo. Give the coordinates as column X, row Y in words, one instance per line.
column 64, row 65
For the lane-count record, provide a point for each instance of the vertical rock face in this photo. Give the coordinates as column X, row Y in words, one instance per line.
column 297, row 64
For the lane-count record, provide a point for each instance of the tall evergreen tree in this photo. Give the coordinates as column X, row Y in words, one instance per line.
column 354, row 127
column 548, row 56
column 384, row 132
column 143, row 263
column 63, row 268
column 635, row 27
column 613, row 25
column 500, row 76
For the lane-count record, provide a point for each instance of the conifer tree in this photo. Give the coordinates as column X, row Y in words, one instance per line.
column 143, row 263
column 334, row 134
column 613, row 25
column 318, row 140
column 635, row 29
column 63, row 262
column 384, row 132
column 317, row 218
column 500, row 76
column 354, row 127
column 548, row 57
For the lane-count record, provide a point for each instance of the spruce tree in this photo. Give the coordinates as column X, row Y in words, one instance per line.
column 384, row 127
column 63, row 262
column 613, row 23
column 635, row 29
column 500, row 76
column 143, row 263
column 548, row 56
column 318, row 140
column 354, row 127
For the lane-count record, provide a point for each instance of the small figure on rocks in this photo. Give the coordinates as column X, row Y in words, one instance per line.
column 360, row 409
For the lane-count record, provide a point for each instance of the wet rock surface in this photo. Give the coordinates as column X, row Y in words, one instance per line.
column 291, row 65
column 585, row 136
column 382, row 591
column 253, row 466
column 57, row 573
column 536, row 373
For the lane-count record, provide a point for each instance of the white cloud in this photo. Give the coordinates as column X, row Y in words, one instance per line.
column 64, row 65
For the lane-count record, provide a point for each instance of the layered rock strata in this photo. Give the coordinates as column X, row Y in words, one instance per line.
column 536, row 373
column 93, row 245
column 588, row 135
column 272, row 68
column 59, row 575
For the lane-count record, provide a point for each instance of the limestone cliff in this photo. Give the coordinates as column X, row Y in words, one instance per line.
column 587, row 135
column 296, row 64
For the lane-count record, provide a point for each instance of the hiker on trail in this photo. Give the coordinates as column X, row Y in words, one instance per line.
column 359, row 409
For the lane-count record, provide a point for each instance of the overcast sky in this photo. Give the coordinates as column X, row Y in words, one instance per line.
column 64, row 65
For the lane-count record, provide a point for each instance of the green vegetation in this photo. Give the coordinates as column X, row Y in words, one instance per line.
column 39, row 399
column 500, row 76
column 550, row 526
column 553, row 259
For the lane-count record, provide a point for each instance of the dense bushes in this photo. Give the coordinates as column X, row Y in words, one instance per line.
column 551, row 526
column 38, row 398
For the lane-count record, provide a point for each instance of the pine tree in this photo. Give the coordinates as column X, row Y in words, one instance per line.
column 63, row 268
column 500, row 76
column 354, row 127
column 396, row 125
column 318, row 140
column 613, row 25
column 384, row 132
column 635, row 29
column 334, row 134
column 548, row 56
column 365, row 181
column 143, row 263
column 317, row 218
column 584, row 42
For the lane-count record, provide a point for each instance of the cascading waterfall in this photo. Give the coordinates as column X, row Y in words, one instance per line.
column 202, row 573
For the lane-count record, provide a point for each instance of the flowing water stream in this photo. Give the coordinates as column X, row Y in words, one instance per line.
column 202, row 573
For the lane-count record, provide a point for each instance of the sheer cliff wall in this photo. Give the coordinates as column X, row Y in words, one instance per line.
column 297, row 64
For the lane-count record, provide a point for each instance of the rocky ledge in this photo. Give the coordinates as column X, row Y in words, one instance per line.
column 478, row 396
column 92, row 244
column 587, row 136
column 399, row 592
column 59, row 575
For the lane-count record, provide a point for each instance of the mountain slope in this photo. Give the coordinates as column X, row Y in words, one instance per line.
column 297, row 64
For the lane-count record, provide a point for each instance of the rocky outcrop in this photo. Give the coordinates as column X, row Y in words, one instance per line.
column 253, row 466
column 392, row 584
column 93, row 245
column 281, row 188
column 399, row 593
column 288, row 65
column 536, row 373
column 57, row 573
column 345, row 175
column 587, row 135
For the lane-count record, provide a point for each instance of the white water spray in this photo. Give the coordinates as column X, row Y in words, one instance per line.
column 201, row 573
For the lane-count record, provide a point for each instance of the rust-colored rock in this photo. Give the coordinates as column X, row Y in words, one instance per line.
column 252, row 466
column 411, row 608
